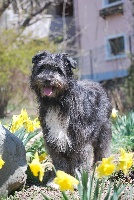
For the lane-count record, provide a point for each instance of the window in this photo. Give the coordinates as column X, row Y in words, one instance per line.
column 112, row 1
column 109, row 3
column 68, row 8
column 115, row 47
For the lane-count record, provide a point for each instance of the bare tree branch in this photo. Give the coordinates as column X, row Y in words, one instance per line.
column 34, row 13
column 4, row 5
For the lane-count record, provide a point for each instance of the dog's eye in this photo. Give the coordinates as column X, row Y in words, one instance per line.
column 40, row 69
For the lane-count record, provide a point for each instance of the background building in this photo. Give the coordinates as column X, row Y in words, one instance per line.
column 105, row 39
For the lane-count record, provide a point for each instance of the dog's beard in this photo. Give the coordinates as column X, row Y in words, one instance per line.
column 50, row 88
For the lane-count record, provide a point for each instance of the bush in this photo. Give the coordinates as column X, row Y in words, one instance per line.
column 123, row 132
column 16, row 53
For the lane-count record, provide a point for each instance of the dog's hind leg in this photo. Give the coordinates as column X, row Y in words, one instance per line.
column 102, row 146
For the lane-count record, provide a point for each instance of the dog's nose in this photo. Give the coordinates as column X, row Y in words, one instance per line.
column 47, row 82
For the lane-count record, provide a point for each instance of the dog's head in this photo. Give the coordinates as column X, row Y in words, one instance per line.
column 51, row 73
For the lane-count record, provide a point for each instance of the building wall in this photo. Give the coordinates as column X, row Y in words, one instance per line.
column 94, row 32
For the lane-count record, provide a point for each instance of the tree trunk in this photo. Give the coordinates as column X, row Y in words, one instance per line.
column 3, row 108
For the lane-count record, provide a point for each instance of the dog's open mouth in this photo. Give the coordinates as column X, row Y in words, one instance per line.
column 48, row 90
column 51, row 90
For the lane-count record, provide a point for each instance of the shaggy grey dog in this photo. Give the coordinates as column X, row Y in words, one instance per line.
column 74, row 115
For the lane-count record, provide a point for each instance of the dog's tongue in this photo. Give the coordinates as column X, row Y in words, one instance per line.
column 48, row 91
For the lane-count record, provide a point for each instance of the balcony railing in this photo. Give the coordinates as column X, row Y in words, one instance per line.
column 112, row 10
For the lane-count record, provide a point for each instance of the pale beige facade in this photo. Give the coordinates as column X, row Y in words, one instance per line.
column 105, row 37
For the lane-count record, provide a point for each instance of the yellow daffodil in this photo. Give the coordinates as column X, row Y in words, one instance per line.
column 65, row 181
column 1, row 162
column 36, row 167
column 17, row 123
column 125, row 161
column 26, row 121
column 32, row 125
column 36, row 123
column 24, row 115
column 21, row 120
column 29, row 125
column 106, row 168
column 42, row 157
column 114, row 113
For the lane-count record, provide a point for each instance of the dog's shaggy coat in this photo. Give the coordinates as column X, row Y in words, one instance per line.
column 74, row 115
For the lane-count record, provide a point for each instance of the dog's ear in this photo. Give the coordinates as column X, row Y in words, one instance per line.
column 39, row 56
column 72, row 63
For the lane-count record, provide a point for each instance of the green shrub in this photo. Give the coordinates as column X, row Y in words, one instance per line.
column 16, row 54
column 123, row 132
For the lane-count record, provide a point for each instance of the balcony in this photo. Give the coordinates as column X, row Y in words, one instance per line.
column 112, row 10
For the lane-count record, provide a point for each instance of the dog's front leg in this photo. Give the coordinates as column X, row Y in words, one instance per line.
column 61, row 162
column 82, row 159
